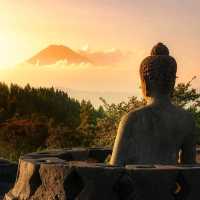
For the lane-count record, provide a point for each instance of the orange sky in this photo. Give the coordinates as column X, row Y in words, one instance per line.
column 128, row 25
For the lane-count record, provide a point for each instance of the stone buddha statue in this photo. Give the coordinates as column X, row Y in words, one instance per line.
column 158, row 132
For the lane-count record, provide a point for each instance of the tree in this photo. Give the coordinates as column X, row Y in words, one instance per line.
column 185, row 96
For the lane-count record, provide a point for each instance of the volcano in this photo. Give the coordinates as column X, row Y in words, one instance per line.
column 55, row 53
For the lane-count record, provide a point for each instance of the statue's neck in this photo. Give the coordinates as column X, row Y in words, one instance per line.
column 159, row 100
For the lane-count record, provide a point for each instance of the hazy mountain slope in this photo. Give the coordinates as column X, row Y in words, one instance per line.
column 55, row 53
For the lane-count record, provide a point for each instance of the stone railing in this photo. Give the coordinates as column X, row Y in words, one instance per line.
column 81, row 174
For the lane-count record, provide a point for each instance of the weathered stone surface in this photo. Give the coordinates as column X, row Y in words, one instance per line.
column 53, row 178
column 43, row 174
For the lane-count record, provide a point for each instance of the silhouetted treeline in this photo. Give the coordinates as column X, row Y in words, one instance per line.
column 26, row 101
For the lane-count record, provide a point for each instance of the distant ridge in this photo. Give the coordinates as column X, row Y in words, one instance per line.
column 55, row 53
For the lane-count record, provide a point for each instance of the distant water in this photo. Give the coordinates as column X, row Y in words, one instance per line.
column 93, row 96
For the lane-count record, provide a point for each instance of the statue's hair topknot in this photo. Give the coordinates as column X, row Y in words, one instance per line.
column 160, row 49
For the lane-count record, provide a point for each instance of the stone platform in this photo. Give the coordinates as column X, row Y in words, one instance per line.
column 82, row 174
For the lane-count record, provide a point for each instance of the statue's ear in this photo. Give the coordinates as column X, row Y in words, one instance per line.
column 147, row 88
column 148, row 93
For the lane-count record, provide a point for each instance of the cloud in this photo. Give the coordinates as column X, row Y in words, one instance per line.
column 59, row 65
column 85, row 48
column 107, row 57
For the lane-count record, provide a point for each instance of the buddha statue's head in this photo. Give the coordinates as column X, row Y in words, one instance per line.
column 158, row 72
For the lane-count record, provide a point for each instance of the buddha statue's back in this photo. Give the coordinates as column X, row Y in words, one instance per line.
column 158, row 132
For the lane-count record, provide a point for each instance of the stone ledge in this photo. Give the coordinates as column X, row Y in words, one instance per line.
column 52, row 176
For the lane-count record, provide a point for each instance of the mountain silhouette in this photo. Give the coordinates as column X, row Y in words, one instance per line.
column 55, row 53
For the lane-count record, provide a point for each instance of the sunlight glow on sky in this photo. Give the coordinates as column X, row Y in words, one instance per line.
column 128, row 25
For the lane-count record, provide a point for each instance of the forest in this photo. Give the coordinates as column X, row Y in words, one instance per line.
column 35, row 119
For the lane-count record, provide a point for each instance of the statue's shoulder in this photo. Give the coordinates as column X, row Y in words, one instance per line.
column 184, row 115
column 136, row 114
column 183, row 112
